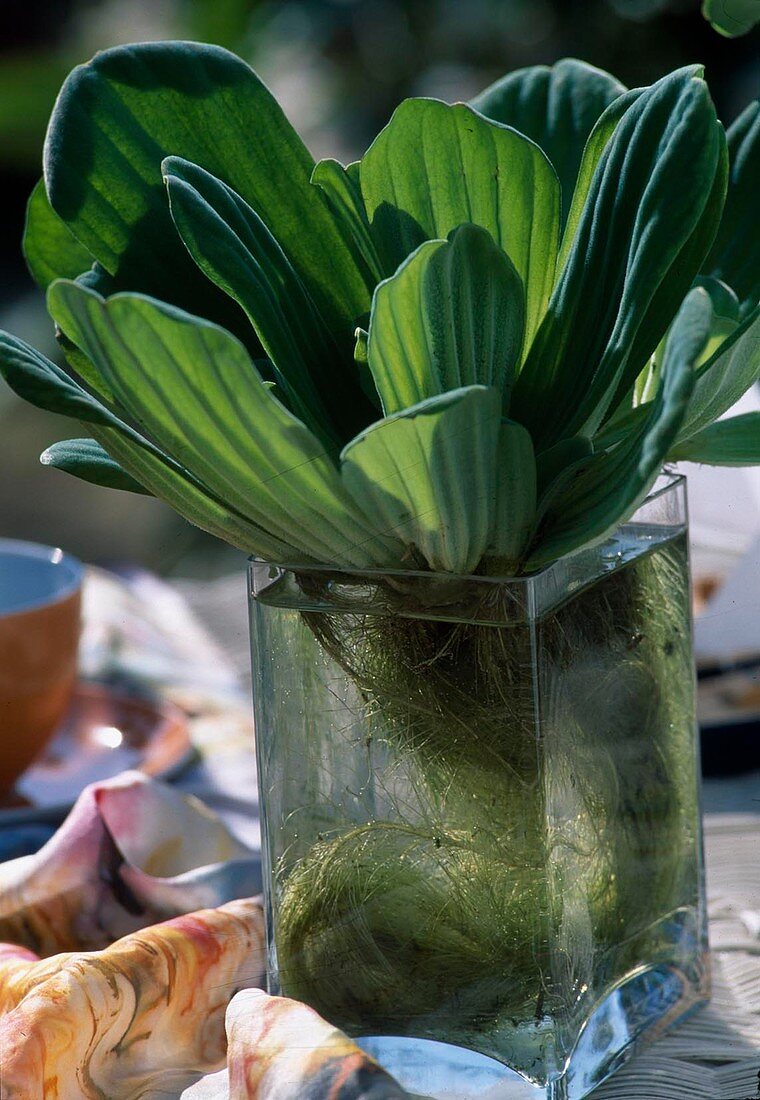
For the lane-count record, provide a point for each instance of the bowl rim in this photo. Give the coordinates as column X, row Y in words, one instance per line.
column 53, row 556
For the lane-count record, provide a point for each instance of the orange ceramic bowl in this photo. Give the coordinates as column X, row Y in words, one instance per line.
column 40, row 598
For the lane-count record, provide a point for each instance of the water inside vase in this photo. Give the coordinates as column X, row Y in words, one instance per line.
column 487, row 836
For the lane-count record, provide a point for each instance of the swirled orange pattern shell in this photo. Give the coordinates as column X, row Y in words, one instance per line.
column 132, row 852
column 85, row 1018
column 282, row 1050
column 142, row 1018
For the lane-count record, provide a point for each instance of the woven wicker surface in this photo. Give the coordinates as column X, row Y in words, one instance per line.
column 714, row 1055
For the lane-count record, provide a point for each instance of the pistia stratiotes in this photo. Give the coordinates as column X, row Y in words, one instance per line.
column 471, row 351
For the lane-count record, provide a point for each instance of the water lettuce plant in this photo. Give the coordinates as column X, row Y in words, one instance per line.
column 471, row 350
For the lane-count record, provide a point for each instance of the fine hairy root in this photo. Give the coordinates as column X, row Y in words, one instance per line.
column 553, row 774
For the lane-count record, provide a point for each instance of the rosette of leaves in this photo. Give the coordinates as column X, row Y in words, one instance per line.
column 472, row 350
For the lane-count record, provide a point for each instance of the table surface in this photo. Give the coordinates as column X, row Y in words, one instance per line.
column 196, row 649
column 715, row 1054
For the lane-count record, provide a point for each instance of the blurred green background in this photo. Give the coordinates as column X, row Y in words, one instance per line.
column 338, row 67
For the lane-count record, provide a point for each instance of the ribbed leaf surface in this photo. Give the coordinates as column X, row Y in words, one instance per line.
column 725, row 377
column 87, row 460
column 592, row 152
column 610, row 488
column 45, row 385
column 194, row 501
column 192, row 385
column 735, row 256
column 428, row 477
column 436, row 166
column 556, row 107
column 625, row 274
column 118, row 117
column 515, row 507
column 731, row 442
column 453, row 315
column 343, row 193
column 50, row 248
column 234, row 248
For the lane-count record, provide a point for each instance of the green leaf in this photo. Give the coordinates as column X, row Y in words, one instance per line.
column 617, row 427
column 725, row 314
column 554, row 490
column 645, row 386
column 343, row 193
column 632, row 260
column 427, row 475
column 366, row 381
column 611, row 486
column 732, row 17
column 592, row 153
column 50, row 248
column 45, row 385
column 192, row 385
column 725, row 303
column 735, row 255
column 567, row 453
column 361, row 348
column 195, row 502
column 234, row 248
column 452, row 316
column 120, row 115
column 721, row 312
column 86, row 459
column 731, row 442
column 436, row 166
column 515, row 506
column 725, row 377
column 556, row 107
column 683, row 268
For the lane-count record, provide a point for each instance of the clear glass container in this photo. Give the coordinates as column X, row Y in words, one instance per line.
column 480, row 809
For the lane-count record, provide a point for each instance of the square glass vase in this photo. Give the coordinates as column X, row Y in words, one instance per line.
column 480, row 800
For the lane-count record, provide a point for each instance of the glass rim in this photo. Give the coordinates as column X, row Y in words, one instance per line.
column 666, row 481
